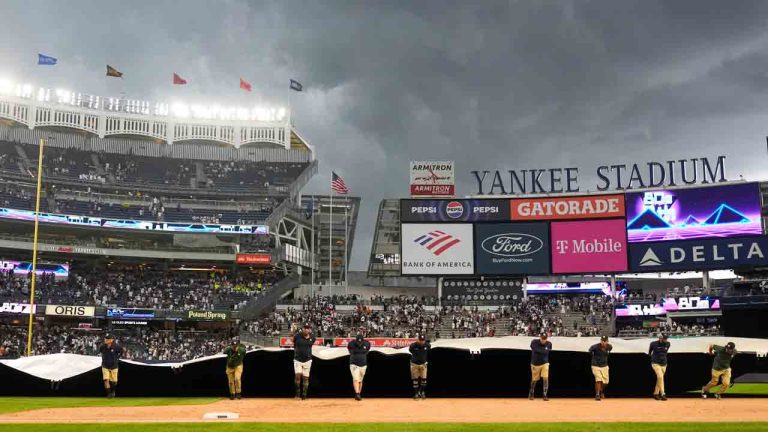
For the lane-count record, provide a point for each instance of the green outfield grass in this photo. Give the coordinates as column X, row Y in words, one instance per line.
column 397, row 427
column 743, row 389
column 15, row 404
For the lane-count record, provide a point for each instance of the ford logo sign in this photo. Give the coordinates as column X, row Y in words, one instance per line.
column 512, row 244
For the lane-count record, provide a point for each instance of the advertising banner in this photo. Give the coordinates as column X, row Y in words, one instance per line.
column 482, row 291
column 130, row 313
column 250, row 258
column 474, row 210
column 17, row 308
column 684, row 214
column 680, row 304
column 195, row 315
column 512, row 248
column 287, row 342
column 74, row 311
column 27, row 215
column 575, row 207
column 430, row 178
column 437, row 249
column 589, row 246
column 377, row 342
column 702, row 254
column 572, row 287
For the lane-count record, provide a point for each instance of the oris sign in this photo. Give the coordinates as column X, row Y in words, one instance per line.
column 74, row 311
column 512, row 248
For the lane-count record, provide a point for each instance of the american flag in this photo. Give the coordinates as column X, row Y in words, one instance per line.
column 338, row 185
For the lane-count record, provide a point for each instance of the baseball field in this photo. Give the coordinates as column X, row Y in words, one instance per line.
column 384, row 415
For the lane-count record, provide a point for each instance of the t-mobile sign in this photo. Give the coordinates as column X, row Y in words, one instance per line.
column 597, row 246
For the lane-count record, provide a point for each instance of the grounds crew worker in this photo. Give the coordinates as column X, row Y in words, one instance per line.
column 302, row 360
column 658, row 352
column 721, row 368
column 235, row 355
column 110, row 358
column 419, row 355
column 600, row 353
column 358, row 363
column 540, row 349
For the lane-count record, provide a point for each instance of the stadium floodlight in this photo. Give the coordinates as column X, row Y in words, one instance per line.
column 64, row 96
column 180, row 110
column 24, row 91
column 143, row 107
column 6, row 86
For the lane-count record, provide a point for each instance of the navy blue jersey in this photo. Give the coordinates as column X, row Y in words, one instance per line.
column 658, row 351
column 302, row 347
column 540, row 352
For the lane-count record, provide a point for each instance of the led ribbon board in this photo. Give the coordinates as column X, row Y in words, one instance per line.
column 28, row 215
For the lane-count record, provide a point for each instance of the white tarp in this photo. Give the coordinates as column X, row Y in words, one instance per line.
column 58, row 367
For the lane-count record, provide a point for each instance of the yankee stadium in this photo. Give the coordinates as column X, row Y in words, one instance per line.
column 330, row 215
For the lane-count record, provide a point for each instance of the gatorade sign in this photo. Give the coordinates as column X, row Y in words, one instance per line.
column 577, row 207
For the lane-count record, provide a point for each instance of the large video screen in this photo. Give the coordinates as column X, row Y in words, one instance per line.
column 572, row 287
column 684, row 214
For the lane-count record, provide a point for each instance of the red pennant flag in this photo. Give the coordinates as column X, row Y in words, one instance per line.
column 177, row 80
column 245, row 85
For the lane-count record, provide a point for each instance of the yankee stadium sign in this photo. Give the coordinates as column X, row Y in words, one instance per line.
column 610, row 177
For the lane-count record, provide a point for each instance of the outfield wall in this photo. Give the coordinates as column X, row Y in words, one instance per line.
column 500, row 369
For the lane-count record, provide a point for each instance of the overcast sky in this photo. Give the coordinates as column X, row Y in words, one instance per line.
column 489, row 84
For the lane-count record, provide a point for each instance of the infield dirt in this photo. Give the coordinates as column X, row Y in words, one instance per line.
column 431, row 410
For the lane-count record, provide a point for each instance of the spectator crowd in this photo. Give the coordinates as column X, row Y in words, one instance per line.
column 407, row 316
column 140, row 344
column 141, row 288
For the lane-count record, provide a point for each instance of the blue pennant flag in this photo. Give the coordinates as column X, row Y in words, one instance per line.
column 43, row 59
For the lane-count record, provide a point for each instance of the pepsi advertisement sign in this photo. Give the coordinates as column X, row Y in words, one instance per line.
column 702, row 254
column 512, row 248
column 474, row 210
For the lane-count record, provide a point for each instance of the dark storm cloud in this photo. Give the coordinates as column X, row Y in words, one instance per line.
column 488, row 84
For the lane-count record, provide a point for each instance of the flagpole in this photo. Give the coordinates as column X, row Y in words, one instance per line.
column 346, row 246
column 312, row 259
column 330, row 243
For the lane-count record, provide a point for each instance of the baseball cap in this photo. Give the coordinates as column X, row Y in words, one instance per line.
column 604, row 338
column 730, row 345
column 307, row 325
column 359, row 338
column 543, row 335
column 664, row 336
column 108, row 336
column 422, row 337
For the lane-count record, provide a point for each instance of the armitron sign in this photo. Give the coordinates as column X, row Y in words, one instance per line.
column 75, row 311
column 432, row 178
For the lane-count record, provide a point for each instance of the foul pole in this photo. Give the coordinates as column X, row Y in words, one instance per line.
column 34, row 247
